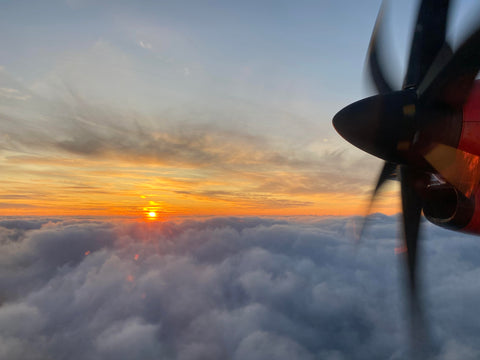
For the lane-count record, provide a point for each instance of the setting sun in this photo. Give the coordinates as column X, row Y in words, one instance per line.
column 152, row 214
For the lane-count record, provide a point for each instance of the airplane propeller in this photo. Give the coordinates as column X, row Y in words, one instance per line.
column 402, row 127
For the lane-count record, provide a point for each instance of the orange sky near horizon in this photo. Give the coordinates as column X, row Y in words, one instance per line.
column 54, row 185
column 75, row 158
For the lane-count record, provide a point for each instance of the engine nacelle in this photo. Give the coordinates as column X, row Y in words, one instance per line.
column 447, row 207
column 443, row 204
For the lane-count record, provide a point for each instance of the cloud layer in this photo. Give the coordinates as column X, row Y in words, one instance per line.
column 225, row 288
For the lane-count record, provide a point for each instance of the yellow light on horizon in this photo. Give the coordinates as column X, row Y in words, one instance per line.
column 152, row 214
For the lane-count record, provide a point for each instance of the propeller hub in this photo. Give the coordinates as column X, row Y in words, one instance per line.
column 382, row 125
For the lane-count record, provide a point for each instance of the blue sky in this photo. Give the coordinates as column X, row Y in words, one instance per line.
column 266, row 52
column 312, row 50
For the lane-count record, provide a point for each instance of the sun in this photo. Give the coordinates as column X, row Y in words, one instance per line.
column 152, row 214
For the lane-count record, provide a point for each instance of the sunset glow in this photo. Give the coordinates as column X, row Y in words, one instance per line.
column 32, row 188
column 136, row 119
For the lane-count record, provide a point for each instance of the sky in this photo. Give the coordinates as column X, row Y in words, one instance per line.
column 187, row 107
column 183, row 107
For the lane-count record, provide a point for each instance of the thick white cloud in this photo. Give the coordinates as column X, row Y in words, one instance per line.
column 226, row 288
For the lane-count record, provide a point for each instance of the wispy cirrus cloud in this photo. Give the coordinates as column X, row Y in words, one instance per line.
column 145, row 45
column 13, row 94
column 76, row 130
column 70, row 139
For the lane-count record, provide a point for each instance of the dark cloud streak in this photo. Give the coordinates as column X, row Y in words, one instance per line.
column 72, row 126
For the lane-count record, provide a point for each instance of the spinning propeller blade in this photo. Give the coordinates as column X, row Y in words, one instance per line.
column 376, row 70
column 388, row 172
column 428, row 39
column 402, row 127
column 454, row 80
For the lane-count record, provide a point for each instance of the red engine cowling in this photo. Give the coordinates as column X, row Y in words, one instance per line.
column 470, row 136
column 444, row 205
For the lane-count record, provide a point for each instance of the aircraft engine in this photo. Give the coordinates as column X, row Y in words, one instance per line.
column 447, row 207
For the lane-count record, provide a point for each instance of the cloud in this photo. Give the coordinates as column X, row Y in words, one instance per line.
column 14, row 94
column 77, row 127
column 225, row 288
column 4, row 205
column 145, row 45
